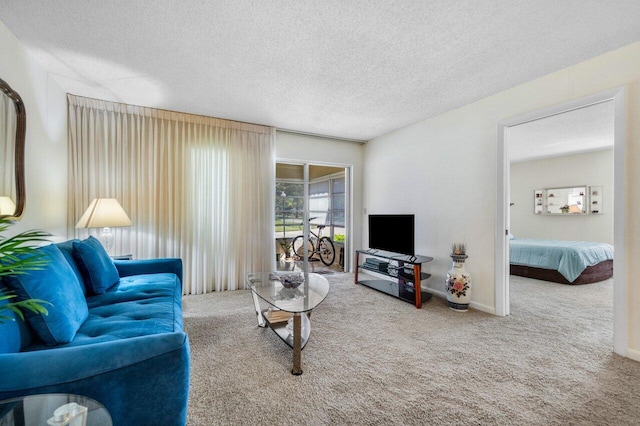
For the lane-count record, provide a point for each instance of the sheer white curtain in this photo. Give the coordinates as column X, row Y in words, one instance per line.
column 195, row 187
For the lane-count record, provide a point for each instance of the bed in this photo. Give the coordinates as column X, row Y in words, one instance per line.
column 567, row 262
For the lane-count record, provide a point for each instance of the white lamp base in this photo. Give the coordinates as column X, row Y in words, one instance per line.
column 107, row 239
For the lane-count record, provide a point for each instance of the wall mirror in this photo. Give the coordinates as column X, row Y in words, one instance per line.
column 12, row 134
column 567, row 200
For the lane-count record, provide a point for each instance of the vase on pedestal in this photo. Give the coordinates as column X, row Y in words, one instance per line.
column 458, row 284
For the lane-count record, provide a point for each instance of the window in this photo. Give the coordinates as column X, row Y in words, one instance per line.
column 337, row 207
column 326, row 206
column 319, row 203
column 289, row 208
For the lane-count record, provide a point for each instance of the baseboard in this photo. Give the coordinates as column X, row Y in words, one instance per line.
column 474, row 305
column 437, row 293
column 484, row 308
column 633, row 354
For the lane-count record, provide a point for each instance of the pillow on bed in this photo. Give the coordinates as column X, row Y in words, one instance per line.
column 511, row 237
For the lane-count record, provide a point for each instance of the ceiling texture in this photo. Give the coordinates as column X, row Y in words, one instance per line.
column 586, row 129
column 353, row 69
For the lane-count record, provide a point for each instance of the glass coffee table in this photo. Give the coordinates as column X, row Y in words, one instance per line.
column 288, row 296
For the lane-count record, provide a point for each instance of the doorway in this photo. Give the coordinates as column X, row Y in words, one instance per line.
column 617, row 97
column 322, row 195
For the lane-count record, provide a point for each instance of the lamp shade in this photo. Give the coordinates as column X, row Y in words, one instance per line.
column 7, row 206
column 104, row 213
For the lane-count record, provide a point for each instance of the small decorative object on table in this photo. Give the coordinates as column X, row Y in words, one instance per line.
column 71, row 414
column 288, row 280
column 458, row 280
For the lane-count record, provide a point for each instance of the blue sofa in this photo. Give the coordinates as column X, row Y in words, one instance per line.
column 118, row 339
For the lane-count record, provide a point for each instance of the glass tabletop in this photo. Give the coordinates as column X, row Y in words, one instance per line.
column 412, row 259
column 272, row 288
column 53, row 409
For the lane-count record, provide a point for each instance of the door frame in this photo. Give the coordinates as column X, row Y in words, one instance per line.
column 618, row 96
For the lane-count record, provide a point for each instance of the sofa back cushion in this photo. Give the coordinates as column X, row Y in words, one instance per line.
column 97, row 268
column 56, row 284
column 67, row 250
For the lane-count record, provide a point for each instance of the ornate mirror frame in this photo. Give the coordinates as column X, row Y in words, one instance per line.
column 21, row 126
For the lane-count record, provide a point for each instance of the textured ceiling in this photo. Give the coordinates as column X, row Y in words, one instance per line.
column 345, row 68
column 581, row 130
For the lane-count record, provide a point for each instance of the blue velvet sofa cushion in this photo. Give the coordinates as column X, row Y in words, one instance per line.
column 67, row 250
column 57, row 284
column 140, row 305
column 97, row 268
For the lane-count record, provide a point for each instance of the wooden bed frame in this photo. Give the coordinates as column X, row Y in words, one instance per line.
column 592, row 274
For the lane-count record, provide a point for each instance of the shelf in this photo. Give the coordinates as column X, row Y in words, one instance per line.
column 280, row 327
column 410, row 277
column 403, row 291
column 412, row 260
column 401, row 274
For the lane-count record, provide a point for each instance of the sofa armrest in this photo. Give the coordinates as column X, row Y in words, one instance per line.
column 149, row 266
column 48, row 367
column 140, row 381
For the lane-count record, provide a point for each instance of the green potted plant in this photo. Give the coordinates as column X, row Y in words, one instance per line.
column 18, row 255
column 285, row 244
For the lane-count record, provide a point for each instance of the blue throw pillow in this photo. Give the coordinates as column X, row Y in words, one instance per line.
column 57, row 284
column 66, row 248
column 14, row 331
column 97, row 268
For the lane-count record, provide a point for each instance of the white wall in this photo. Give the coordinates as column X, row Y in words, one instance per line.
column 441, row 171
column 317, row 150
column 46, row 138
column 591, row 169
column 444, row 170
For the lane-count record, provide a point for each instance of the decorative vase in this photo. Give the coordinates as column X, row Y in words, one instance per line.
column 458, row 284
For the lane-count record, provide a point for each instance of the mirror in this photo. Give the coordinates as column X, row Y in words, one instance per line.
column 12, row 134
column 569, row 200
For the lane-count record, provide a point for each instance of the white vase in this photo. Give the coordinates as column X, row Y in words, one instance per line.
column 458, row 284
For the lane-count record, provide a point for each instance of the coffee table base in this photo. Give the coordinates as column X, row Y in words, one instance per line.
column 297, row 345
column 297, row 341
column 290, row 304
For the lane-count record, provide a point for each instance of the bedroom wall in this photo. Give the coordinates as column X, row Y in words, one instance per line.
column 319, row 150
column 46, row 137
column 593, row 168
column 444, row 170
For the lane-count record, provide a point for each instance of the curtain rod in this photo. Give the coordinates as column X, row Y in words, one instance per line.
column 315, row 135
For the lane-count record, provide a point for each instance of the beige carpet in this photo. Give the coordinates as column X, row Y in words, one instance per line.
column 375, row 360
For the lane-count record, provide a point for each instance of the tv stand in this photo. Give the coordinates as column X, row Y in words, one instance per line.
column 402, row 279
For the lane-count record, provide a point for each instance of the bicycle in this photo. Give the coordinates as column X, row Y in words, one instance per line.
column 323, row 248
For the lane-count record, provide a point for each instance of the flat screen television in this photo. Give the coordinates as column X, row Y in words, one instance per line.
column 392, row 232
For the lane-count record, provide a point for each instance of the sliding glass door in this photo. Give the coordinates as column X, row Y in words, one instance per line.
column 327, row 206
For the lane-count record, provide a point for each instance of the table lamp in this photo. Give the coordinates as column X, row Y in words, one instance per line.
column 105, row 213
column 7, row 206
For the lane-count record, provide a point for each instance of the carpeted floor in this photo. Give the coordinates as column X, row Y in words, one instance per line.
column 375, row 360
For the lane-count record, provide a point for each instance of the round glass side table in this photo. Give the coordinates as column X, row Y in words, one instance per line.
column 55, row 409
